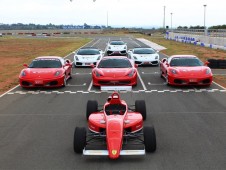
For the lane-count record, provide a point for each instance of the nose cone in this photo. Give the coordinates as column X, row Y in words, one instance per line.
column 114, row 137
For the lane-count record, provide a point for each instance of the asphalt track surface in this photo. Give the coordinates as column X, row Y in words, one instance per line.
column 37, row 125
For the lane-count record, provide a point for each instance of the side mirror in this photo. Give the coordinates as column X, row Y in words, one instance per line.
column 164, row 60
column 25, row 65
column 206, row 63
column 92, row 65
column 157, row 51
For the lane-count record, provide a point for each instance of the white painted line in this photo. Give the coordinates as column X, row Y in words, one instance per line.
column 9, row 91
column 144, row 87
column 90, row 86
column 219, row 85
column 135, row 42
column 76, row 85
column 95, row 42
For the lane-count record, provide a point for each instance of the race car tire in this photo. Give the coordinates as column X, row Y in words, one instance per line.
column 140, row 107
column 79, row 139
column 92, row 106
column 149, row 139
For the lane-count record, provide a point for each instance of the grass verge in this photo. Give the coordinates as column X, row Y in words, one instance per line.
column 14, row 52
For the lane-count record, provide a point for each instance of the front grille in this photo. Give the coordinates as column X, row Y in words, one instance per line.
column 206, row 81
column 178, row 81
column 78, row 63
column 138, row 62
column 25, row 83
column 52, row 83
column 114, row 83
column 154, row 62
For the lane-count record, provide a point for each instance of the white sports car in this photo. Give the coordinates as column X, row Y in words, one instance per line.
column 116, row 47
column 87, row 56
column 144, row 56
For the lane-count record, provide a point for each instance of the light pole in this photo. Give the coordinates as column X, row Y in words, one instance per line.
column 171, row 20
column 164, row 10
column 205, row 19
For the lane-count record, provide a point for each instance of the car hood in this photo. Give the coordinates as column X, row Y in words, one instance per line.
column 88, row 57
column 117, row 47
column 40, row 73
column 114, row 72
column 145, row 56
column 191, row 71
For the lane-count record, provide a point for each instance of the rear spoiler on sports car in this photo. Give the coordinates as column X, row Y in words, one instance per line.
column 105, row 152
column 116, row 88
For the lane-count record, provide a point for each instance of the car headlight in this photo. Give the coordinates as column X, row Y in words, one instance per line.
column 109, row 47
column 57, row 73
column 208, row 71
column 76, row 58
column 135, row 57
column 23, row 74
column 174, row 71
column 97, row 74
column 125, row 47
column 131, row 73
column 156, row 57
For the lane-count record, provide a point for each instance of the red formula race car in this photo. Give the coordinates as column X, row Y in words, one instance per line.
column 115, row 130
column 115, row 70
column 185, row 70
column 47, row 71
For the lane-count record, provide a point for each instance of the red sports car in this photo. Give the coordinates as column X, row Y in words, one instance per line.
column 46, row 71
column 115, row 70
column 185, row 70
column 115, row 130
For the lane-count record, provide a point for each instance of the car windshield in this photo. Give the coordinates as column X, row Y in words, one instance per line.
column 88, row 52
column 186, row 62
column 117, row 43
column 115, row 63
column 45, row 63
column 144, row 51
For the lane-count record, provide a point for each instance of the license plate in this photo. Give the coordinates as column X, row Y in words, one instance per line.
column 146, row 63
column 87, row 64
column 38, row 81
column 193, row 80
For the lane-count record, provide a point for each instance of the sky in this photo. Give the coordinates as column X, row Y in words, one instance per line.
column 123, row 13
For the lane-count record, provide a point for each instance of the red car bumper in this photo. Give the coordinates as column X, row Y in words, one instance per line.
column 57, row 82
column 118, row 81
column 180, row 81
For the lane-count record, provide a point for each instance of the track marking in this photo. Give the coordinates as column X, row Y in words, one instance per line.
column 9, row 90
column 137, row 91
column 76, row 85
column 144, row 87
column 135, row 42
column 90, row 86
column 95, row 42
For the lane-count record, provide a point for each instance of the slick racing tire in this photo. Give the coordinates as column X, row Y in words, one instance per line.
column 149, row 139
column 79, row 139
column 92, row 106
column 141, row 108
